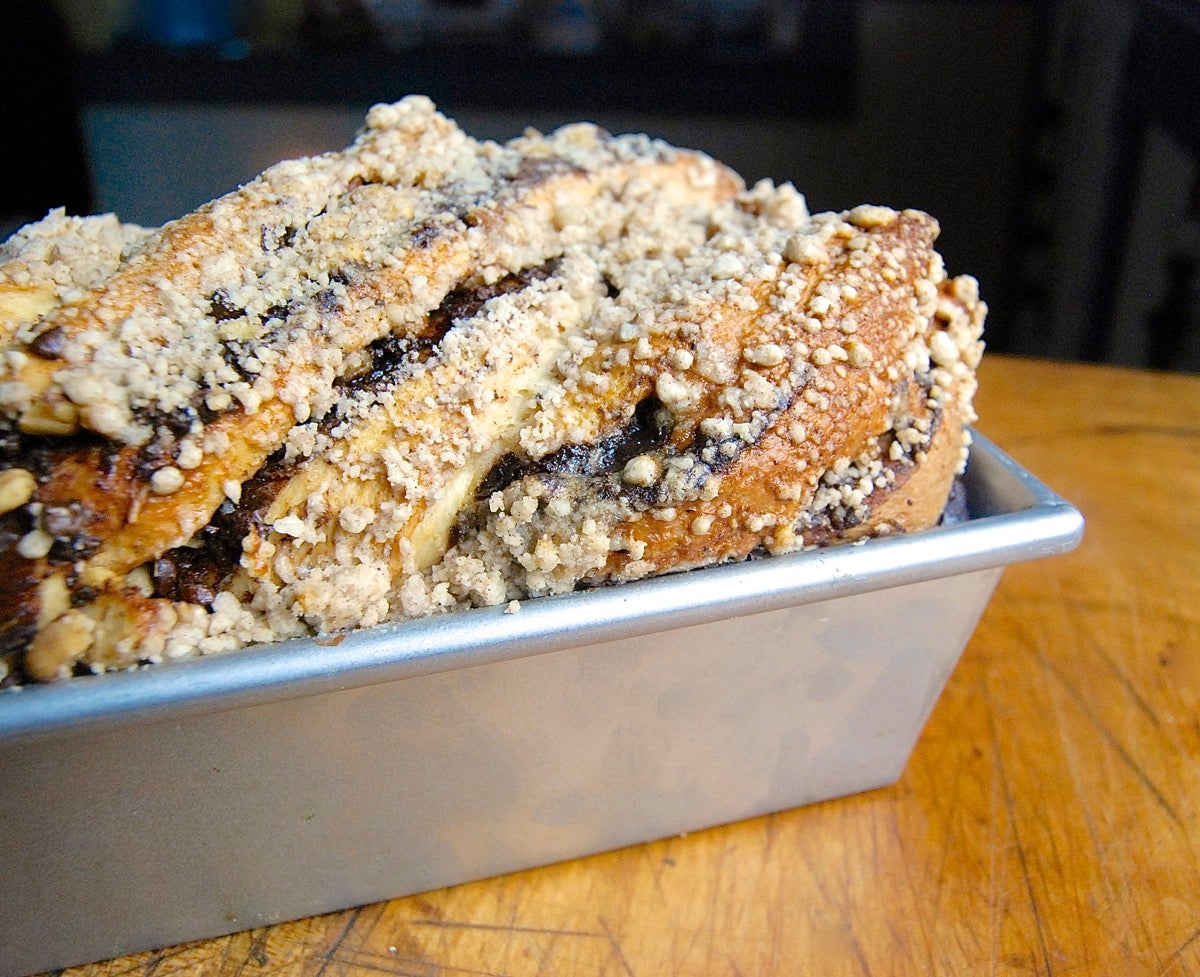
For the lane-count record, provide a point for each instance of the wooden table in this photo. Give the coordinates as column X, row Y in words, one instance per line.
column 1048, row 822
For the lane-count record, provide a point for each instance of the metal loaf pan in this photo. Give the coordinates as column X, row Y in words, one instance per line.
column 201, row 797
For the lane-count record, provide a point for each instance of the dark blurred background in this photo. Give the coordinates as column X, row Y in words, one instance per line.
column 1057, row 143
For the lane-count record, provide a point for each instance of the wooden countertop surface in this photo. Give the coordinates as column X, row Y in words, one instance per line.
column 1048, row 822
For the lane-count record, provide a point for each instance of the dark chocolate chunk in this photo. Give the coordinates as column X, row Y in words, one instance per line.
column 50, row 344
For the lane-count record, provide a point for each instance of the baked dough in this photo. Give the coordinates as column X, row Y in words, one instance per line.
column 429, row 372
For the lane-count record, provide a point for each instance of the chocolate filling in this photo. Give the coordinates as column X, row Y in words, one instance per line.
column 390, row 355
column 273, row 237
column 197, row 572
column 958, row 508
column 50, row 344
column 646, row 431
column 69, row 522
column 221, row 308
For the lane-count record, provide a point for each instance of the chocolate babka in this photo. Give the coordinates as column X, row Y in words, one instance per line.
column 429, row 372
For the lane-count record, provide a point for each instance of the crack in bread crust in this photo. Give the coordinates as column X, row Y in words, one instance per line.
column 428, row 372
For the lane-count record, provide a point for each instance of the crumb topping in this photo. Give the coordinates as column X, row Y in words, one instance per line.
column 71, row 254
column 429, row 372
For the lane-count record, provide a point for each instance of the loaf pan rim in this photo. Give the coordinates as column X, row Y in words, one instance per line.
column 1031, row 522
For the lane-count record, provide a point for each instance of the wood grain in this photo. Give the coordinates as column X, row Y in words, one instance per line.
column 1047, row 823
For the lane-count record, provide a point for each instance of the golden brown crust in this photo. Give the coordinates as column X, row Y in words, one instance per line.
column 775, row 478
column 21, row 304
column 429, row 373
column 787, row 411
column 149, row 500
column 499, row 371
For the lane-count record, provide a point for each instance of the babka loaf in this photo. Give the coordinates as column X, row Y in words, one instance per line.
column 430, row 372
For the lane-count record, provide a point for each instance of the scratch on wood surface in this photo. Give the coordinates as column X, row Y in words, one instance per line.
column 665, row 863
column 604, row 933
column 1118, row 575
column 424, row 965
column 1186, row 432
column 995, row 890
column 1110, row 738
column 1183, row 432
column 505, row 927
column 258, row 949
column 1092, row 605
column 1010, row 807
column 857, row 946
column 408, row 963
column 944, row 854
column 771, row 826
column 173, row 960
column 848, row 921
column 1127, row 684
column 137, row 965
column 331, row 952
column 398, row 967
column 1175, row 957
column 255, row 954
column 415, row 966
column 178, row 960
column 615, row 944
column 899, row 937
column 843, row 911
column 151, row 967
column 1106, row 864
column 547, row 957
column 1133, row 929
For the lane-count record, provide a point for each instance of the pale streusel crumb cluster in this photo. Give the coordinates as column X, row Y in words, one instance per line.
column 428, row 373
